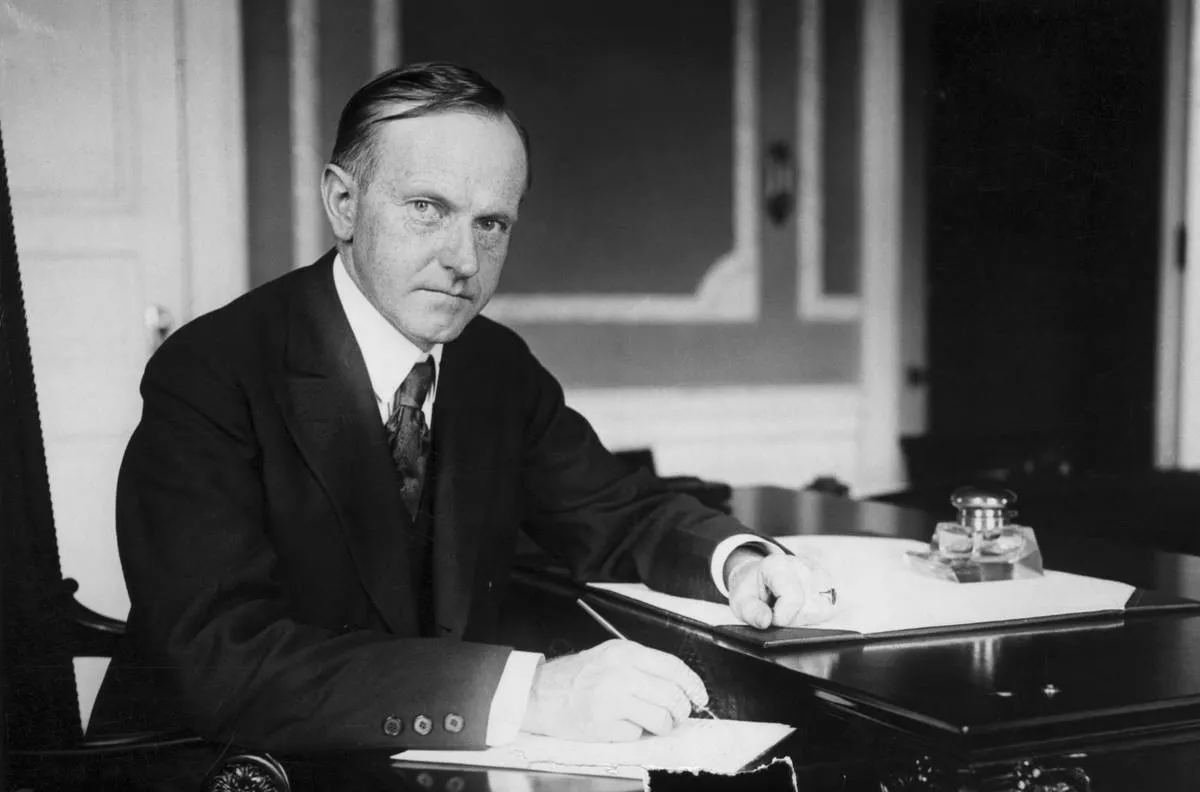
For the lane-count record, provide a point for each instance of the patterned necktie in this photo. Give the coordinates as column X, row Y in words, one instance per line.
column 408, row 435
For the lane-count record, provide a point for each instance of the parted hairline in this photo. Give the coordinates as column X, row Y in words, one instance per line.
column 411, row 92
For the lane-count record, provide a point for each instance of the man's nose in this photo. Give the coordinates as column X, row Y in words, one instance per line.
column 458, row 252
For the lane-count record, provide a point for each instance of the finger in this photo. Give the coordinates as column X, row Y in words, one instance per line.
column 671, row 668
column 784, row 577
column 787, row 608
column 748, row 598
column 618, row 730
column 661, row 693
column 814, row 579
column 751, row 609
column 821, row 586
column 649, row 717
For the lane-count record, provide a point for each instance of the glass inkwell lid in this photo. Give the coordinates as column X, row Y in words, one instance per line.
column 982, row 545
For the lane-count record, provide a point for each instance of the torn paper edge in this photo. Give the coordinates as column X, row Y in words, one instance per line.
column 762, row 768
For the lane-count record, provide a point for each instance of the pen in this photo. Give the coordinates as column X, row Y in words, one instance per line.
column 614, row 632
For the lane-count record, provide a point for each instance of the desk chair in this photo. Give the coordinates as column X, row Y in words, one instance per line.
column 44, row 626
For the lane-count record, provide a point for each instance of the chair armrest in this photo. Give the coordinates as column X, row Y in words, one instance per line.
column 86, row 617
column 91, row 634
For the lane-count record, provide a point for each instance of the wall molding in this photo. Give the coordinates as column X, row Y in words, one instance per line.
column 812, row 303
column 121, row 195
column 1188, row 403
column 385, row 35
column 1174, row 217
column 782, row 435
column 729, row 291
column 882, row 466
column 212, row 130
column 308, row 218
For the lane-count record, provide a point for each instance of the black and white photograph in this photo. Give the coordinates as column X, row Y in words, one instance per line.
column 599, row 395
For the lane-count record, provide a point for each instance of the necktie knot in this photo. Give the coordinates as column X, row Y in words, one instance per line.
column 415, row 388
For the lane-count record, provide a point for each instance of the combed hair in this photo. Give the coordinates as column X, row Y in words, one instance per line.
column 432, row 88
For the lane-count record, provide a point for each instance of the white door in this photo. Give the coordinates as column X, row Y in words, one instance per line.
column 100, row 105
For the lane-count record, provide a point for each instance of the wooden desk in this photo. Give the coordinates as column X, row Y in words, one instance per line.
column 185, row 769
column 962, row 711
column 1117, row 700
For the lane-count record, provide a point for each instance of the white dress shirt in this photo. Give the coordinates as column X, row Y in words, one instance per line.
column 389, row 356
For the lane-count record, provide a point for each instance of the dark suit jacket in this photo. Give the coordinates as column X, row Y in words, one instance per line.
column 263, row 539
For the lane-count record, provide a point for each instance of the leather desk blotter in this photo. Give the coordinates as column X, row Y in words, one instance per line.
column 881, row 597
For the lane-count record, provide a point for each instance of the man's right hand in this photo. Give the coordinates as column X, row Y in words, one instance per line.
column 612, row 693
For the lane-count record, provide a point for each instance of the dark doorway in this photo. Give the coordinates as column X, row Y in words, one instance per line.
column 1043, row 219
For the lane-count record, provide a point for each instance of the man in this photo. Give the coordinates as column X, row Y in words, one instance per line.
column 318, row 507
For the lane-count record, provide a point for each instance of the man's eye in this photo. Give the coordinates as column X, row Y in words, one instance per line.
column 424, row 210
column 493, row 226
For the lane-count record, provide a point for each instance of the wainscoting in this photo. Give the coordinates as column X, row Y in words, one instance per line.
column 778, row 435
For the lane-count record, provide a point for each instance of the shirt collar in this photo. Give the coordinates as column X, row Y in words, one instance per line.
column 388, row 355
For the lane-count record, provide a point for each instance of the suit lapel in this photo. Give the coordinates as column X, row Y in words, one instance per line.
column 331, row 411
column 459, row 451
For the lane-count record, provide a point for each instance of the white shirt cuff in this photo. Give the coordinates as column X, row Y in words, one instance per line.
column 726, row 548
column 512, row 697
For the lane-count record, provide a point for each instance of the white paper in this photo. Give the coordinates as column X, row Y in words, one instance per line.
column 879, row 592
column 718, row 746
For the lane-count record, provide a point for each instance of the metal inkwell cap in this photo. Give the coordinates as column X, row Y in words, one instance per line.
column 983, row 510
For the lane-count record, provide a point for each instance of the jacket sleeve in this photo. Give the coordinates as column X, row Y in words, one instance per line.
column 209, row 609
column 586, row 508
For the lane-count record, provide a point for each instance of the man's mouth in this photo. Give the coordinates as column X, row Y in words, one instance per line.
column 443, row 293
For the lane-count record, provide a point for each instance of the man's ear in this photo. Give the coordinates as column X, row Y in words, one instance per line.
column 339, row 196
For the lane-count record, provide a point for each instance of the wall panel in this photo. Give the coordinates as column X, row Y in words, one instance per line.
column 645, row 259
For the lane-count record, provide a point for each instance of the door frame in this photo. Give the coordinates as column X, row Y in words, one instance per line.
column 881, row 395
column 213, row 145
column 1179, row 360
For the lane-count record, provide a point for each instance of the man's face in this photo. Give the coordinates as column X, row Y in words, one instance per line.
column 429, row 234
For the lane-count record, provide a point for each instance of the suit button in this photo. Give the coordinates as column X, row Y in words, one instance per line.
column 456, row 784
column 425, row 780
column 453, row 723
column 422, row 725
column 392, row 726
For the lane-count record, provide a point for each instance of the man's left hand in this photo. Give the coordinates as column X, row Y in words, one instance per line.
column 780, row 590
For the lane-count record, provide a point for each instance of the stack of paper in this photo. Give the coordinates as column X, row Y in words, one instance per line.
column 717, row 746
column 879, row 592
